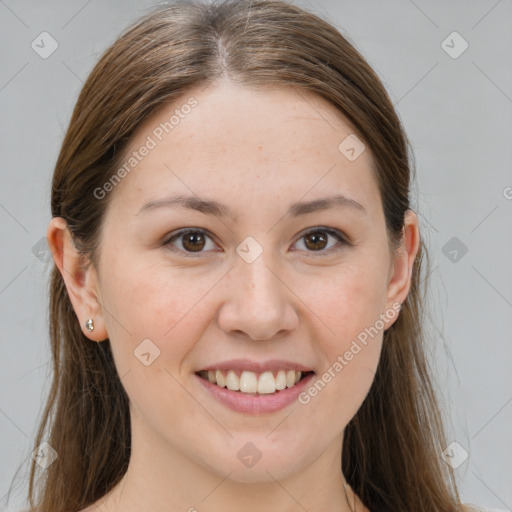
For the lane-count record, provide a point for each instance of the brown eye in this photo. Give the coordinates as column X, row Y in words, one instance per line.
column 317, row 240
column 193, row 241
column 189, row 242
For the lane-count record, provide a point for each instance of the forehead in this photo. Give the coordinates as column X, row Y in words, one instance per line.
column 226, row 140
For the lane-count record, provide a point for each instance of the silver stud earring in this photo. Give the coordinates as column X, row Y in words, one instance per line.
column 89, row 325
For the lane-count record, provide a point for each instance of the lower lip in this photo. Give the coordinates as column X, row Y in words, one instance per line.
column 256, row 404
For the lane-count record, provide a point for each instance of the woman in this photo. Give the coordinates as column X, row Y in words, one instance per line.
column 236, row 305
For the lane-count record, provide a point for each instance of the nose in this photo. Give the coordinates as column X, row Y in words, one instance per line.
column 258, row 301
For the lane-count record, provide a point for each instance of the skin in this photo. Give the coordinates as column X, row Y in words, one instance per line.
column 258, row 152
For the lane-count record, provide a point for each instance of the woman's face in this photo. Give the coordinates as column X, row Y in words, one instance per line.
column 275, row 272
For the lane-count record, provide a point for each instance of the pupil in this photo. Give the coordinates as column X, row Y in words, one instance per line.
column 316, row 238
column 194, row 238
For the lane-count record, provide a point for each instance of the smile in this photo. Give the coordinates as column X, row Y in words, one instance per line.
column 249, row 382
column 264, row 392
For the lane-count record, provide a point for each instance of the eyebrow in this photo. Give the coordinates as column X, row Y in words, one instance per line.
column 210, row 207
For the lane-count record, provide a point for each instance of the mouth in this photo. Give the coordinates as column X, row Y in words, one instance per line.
column 254, row 383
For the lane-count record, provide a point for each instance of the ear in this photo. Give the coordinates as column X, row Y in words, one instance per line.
column 400, row 275
column 81, row 279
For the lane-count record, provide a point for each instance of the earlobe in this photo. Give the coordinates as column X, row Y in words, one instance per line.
column 401, row 274
column 79, row 277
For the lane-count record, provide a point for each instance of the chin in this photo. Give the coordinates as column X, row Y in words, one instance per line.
column 265, row 464
column 258, row 474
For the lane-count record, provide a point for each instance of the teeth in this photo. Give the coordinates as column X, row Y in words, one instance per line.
column 232, row 381
column 249, row 382
column 220, row 379
column 281, row 380
column 266, row 383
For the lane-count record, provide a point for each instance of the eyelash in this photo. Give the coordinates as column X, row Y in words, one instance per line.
column 342, row 241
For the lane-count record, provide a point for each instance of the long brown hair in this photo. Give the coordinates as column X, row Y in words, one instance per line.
column 392, row 447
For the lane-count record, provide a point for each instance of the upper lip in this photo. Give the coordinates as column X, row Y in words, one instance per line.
column 257, row 367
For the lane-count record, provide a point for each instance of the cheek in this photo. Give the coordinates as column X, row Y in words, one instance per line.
column 155, row 321
column 346, row 383
column 346, row 303
column 164, row 305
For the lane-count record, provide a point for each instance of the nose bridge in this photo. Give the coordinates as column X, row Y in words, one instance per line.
column 258, row 281
column 260, row 291
column 257, row 302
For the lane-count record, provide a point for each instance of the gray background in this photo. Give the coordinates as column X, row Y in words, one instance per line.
column 458, row 115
